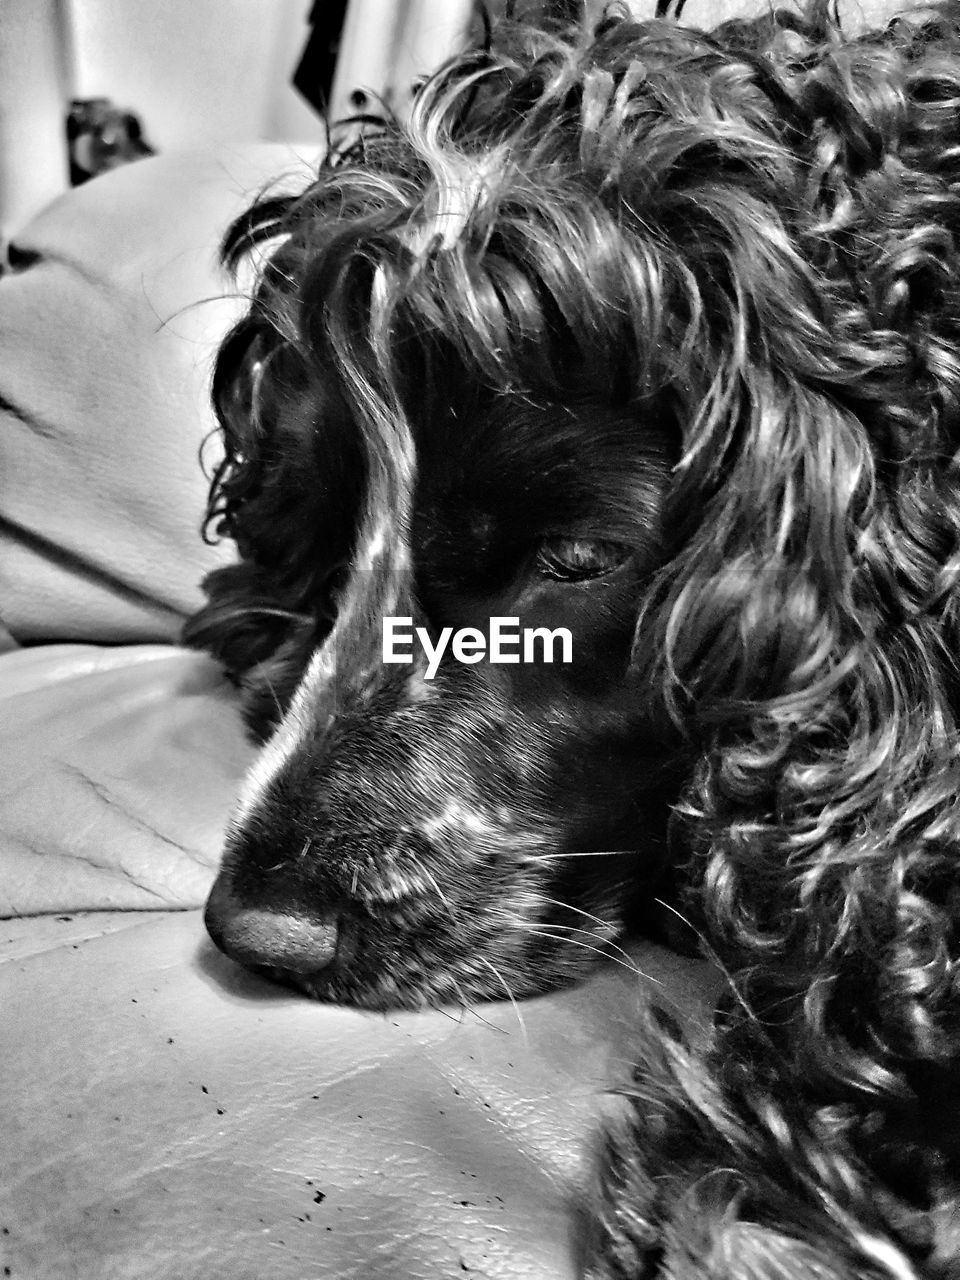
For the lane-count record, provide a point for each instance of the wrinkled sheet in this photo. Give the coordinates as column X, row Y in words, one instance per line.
column 118, row 768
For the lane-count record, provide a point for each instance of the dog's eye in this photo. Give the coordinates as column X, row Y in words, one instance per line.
column 573, row 559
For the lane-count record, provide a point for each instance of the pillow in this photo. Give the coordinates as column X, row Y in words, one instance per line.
column 110, row 316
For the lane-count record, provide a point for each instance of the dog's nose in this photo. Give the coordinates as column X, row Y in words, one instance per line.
column 260, row 936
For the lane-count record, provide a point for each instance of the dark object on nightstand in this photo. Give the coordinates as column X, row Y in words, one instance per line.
column 100, row 137
column 313, row 78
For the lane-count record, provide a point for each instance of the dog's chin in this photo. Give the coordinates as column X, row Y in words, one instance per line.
column 416, row 989
column 433, row 951
column 461, row 983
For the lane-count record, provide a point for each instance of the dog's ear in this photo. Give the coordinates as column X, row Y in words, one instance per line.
column 262, row 642
column 266, row 614
column 806, row 641
column 286, row 493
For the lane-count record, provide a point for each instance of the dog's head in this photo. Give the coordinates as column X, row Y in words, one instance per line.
column 590, row 346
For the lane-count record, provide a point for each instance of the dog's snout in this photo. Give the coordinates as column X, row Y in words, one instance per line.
column 265, row 938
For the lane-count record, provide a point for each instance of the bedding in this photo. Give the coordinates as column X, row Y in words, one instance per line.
column 164, row 1114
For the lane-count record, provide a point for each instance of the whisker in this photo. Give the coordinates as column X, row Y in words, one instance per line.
column 587, row 915
column 674, row 911
column 682, row 1009
column 711, row 955
column 582, row 853
column 608, row 942
column 540, row 931
column 609, row 948
column 438, row 1008
column 466, row 1007
column 510, row 996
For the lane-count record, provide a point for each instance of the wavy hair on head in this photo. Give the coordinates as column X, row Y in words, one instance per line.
column 751, row 236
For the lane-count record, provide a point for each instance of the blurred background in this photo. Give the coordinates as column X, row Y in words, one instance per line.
column 89, row 84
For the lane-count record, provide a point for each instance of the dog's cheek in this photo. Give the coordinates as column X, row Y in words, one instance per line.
column 608, row 769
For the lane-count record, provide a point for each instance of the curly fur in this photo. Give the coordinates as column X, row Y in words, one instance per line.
column 725, row 264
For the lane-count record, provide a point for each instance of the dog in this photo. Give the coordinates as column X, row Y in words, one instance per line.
column 650, row 337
